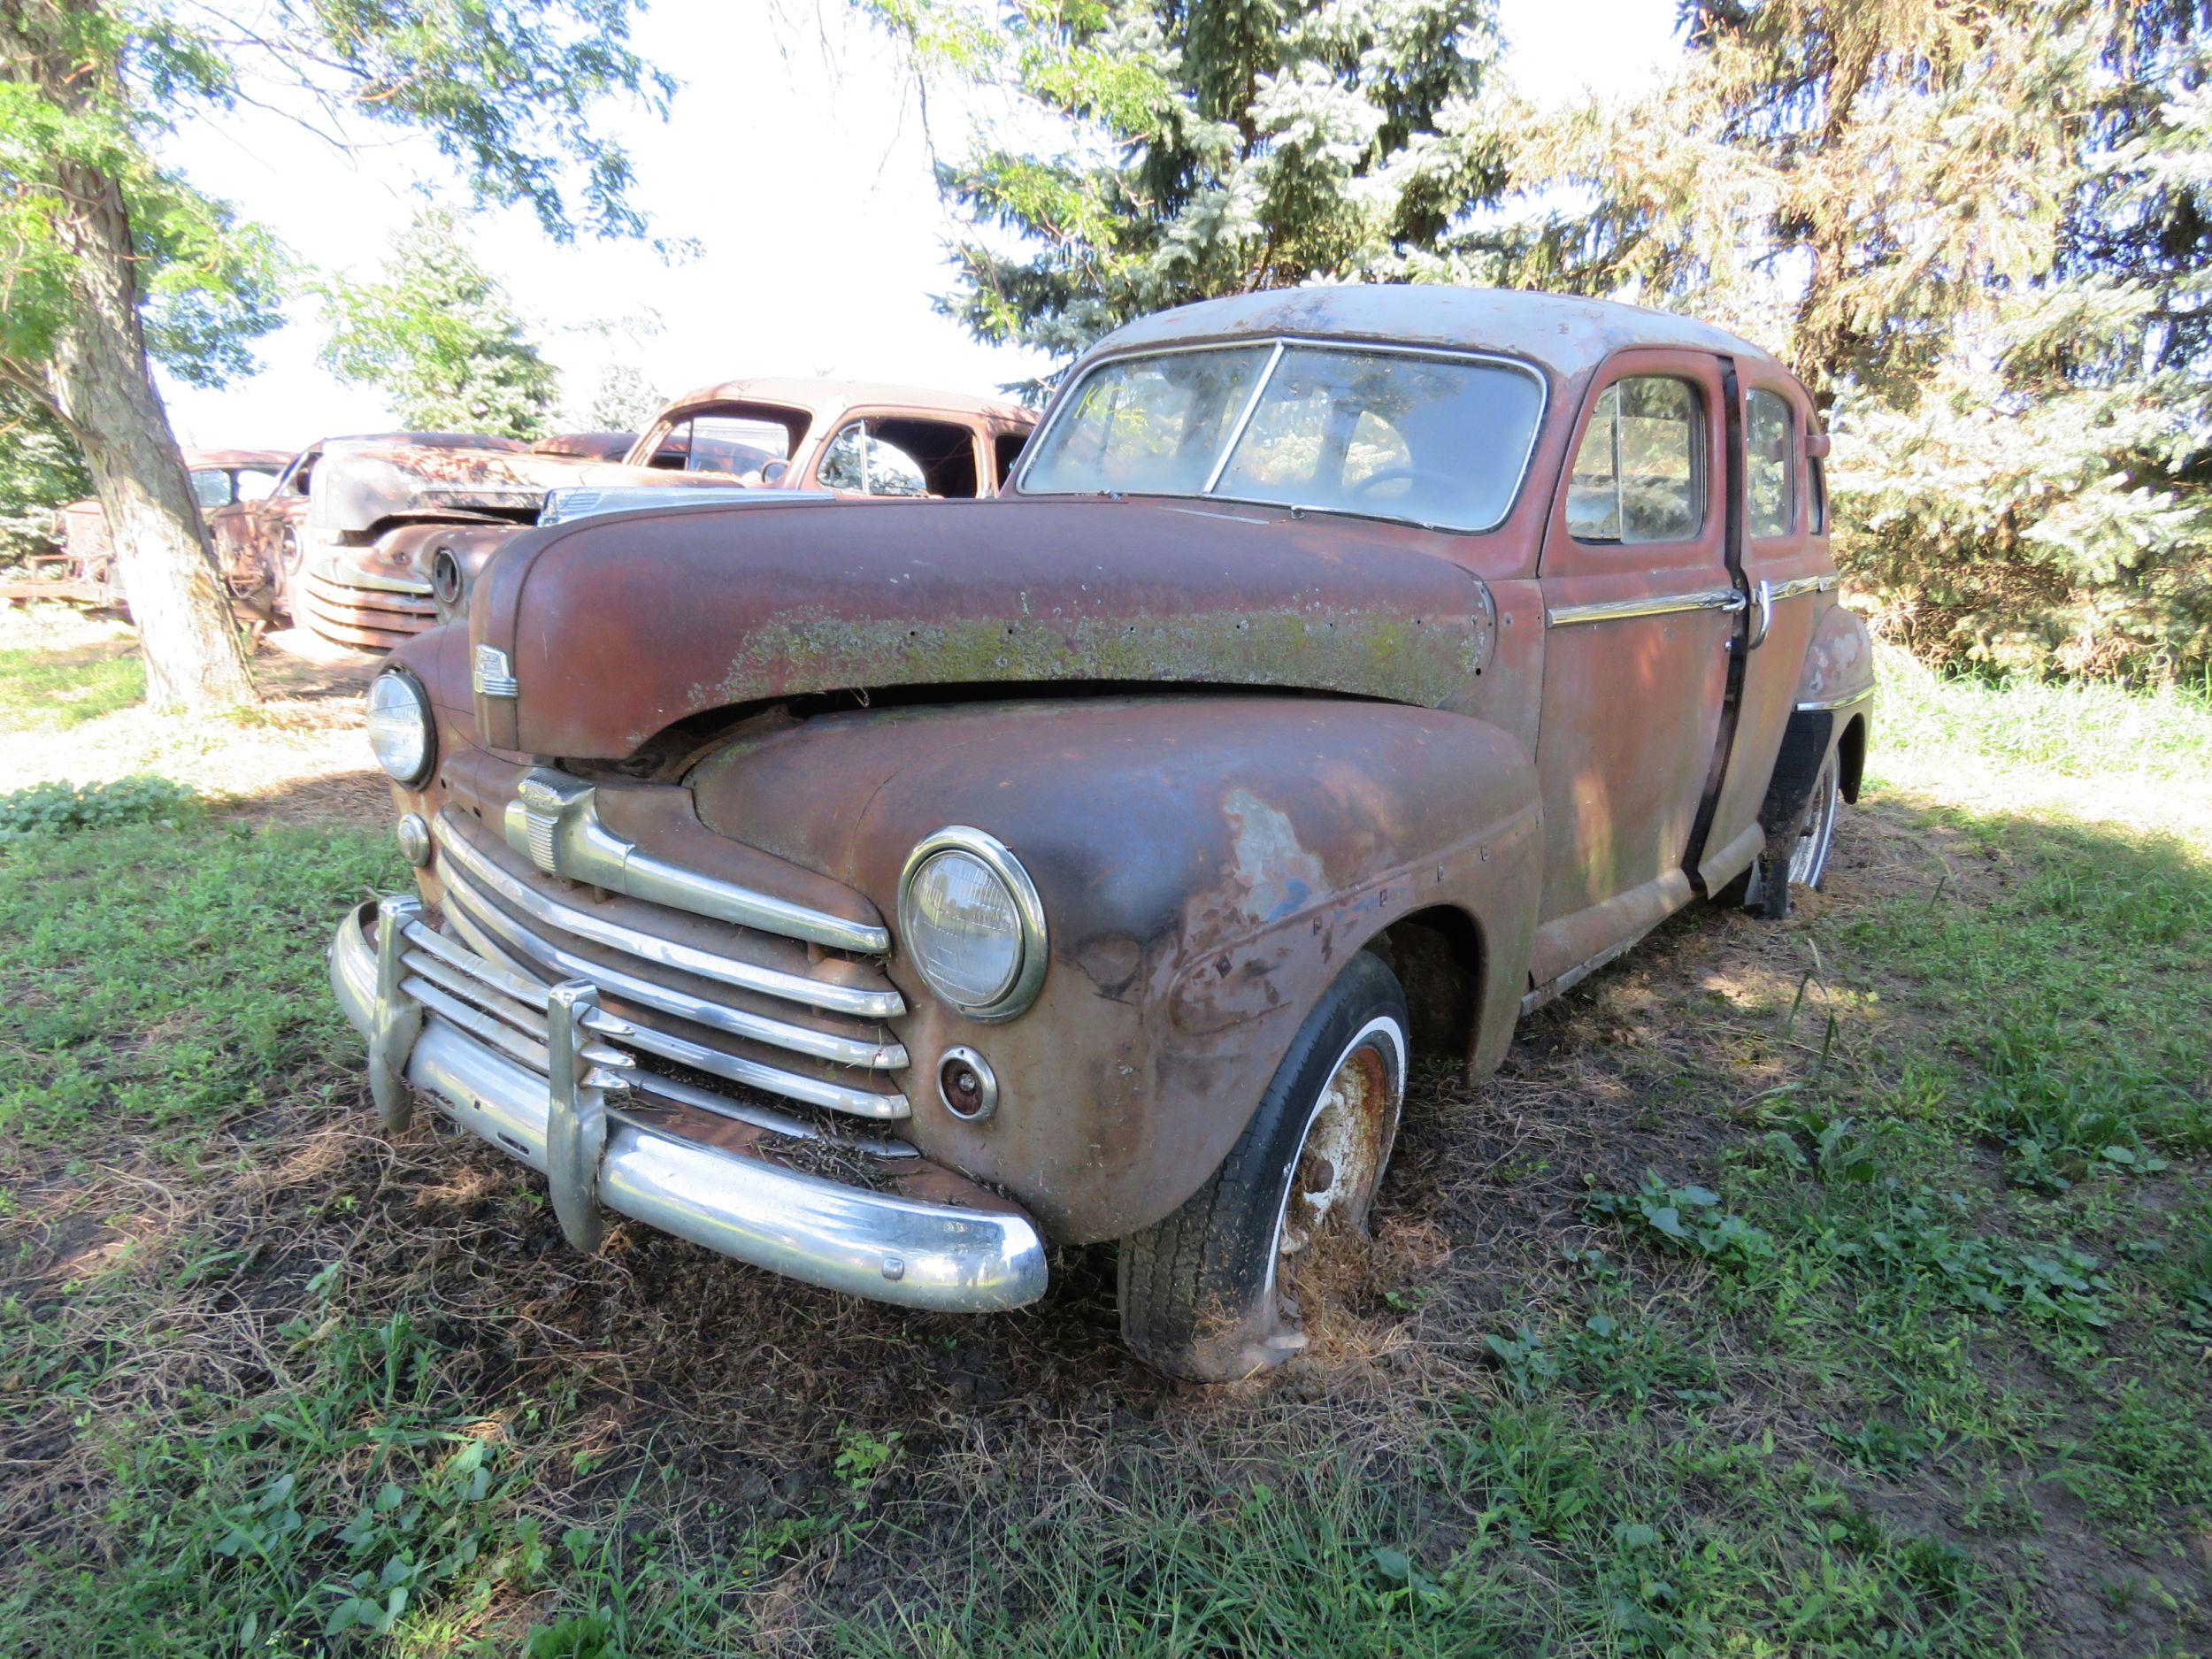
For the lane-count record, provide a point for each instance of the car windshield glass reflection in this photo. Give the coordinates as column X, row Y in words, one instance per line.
column 1435, row 440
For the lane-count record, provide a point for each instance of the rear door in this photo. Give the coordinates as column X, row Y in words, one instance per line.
column 1788, row 576
column 1641, row 607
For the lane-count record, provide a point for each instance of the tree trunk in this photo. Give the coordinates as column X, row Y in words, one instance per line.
column 97, row 378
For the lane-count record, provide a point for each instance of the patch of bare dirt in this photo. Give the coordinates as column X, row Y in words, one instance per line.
column 299, row 754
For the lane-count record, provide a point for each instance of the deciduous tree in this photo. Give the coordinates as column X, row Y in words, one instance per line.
column 107, row 257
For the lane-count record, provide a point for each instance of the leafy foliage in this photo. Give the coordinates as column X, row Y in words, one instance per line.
column 1196, row 151
column 439, row 335
column 39, row 470
column 1981, row 233
column 624, row 401
column 60, row 809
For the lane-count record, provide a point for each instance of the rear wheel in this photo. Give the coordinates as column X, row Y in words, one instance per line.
column 1202, row 1292
column 1799, row 852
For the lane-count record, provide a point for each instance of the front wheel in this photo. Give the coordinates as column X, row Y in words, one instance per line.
column 1202, row 1293
column 1799, row 851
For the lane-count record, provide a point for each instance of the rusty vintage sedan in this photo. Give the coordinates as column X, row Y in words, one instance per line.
column 884, row 895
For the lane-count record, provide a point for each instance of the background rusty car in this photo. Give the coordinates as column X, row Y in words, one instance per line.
column 881, row 896
column 82, row 568
column 397, row 531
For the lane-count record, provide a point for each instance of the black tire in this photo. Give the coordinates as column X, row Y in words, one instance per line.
column 1798, row 852
column 1201, row 1291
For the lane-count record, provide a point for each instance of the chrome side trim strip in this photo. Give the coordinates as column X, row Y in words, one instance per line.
column 470, row 906
column 1814, row 705
column 792, row 987
column 1658, row 605
column 1798, row 585
column 554, row 823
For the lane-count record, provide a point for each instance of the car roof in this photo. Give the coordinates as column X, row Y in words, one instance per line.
column 1564, row 333
column 208, row 460
column 827, row 396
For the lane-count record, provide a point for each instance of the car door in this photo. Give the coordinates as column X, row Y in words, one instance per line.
column 1641, row 607
column 1789, row 577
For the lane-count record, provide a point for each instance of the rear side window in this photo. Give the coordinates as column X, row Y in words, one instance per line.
column 1771, row 463
column 1639, row 475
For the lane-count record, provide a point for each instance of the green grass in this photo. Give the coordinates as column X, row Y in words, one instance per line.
column 1834, row 1289
column 54, row 690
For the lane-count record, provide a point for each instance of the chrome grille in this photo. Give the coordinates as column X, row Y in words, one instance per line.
column 681, row 994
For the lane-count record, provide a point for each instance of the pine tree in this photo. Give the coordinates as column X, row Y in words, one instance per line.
column 440, row 337
column 1978, row 230
column 1190, row 150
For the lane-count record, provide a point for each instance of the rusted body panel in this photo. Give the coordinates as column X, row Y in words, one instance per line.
column 1207, row 864
column 1230, row 746
column 790, row 601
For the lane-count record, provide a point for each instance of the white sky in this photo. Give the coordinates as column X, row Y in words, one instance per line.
column 794, row 157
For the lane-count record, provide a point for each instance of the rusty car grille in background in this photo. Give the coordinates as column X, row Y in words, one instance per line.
column 706, row 1014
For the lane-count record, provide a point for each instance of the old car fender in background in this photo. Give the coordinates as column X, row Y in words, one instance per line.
column 1206, row 862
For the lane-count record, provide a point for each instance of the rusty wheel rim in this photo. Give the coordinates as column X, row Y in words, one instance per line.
column 1809, row 858
column 1347, row 1142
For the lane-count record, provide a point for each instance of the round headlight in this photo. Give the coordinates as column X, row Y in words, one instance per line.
column 400, row 730
column 970, row 921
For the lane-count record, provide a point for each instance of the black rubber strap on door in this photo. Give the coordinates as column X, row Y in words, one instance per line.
column 1739, row 643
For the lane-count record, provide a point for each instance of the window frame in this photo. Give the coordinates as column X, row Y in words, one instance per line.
column 1275, row 345
column 1701, row 461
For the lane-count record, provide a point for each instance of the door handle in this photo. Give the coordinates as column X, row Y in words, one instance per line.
column 1763, row 613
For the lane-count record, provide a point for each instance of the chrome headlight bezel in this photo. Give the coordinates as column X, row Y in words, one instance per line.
column 1028, row 977
column 428, row 761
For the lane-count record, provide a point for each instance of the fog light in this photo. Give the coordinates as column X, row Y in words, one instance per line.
column 414, row 839
column 967, row 1085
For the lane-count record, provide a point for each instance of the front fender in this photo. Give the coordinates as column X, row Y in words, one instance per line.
column 1207, row 864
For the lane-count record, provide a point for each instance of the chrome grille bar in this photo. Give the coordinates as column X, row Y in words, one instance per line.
column 838, row 1050
column 490, row 1001
column 667, row 953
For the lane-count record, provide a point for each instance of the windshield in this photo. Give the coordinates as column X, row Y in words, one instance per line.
column 1438, row 440
column 738, row 442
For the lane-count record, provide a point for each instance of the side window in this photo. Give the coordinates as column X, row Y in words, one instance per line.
column 256, row 485
column 1770, row 444
column 1008, row 447
column 858, row 460
column 212, row 488
column 1639, row 475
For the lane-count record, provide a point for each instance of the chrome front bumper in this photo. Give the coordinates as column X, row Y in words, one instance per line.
column 881, row 1246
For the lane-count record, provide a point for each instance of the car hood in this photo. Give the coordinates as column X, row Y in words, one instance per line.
column 611, row 629
column 359, row 486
